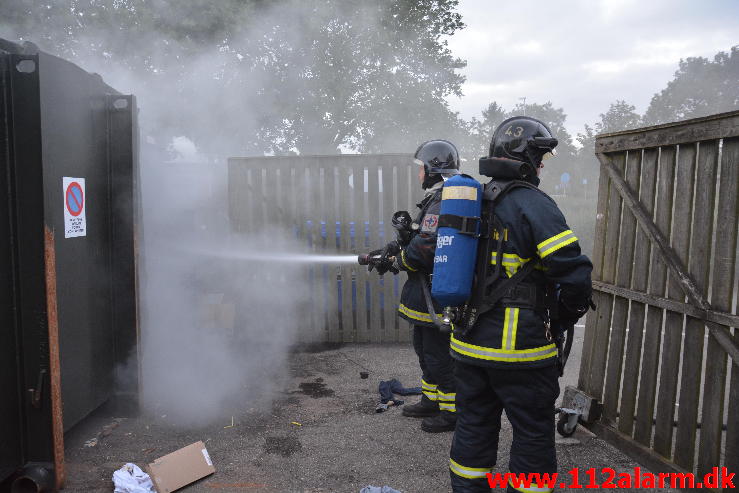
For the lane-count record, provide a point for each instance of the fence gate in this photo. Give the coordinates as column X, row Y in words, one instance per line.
column 661, row 352
column 334, row 205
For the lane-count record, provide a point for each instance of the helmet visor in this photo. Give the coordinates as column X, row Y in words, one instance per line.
column 549, row 154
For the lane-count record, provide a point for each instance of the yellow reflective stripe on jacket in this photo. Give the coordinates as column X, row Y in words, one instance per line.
column 447, row 406
column 510, row 327
column 405, row 264
column 511, row 262
column 555, row 243
column 508, row 259
column 531, row 489
column 507, row 355
column 469, row 472
column 423, row 317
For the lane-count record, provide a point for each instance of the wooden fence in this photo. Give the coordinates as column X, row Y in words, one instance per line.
column 660, row 354
column 334, row 205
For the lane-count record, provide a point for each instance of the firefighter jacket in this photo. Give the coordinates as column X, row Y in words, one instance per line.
column 534, row 230
column 417, row 258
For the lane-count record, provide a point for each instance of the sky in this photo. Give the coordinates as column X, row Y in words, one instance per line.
column 582, row 55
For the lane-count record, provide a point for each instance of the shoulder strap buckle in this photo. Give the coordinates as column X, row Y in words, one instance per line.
column 466, row 225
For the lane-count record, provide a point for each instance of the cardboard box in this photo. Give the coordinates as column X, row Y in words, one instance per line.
column 180, row 468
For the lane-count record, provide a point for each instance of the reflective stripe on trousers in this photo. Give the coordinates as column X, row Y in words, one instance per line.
column 446, row 401
column 429, row 389
column 531, row 489
column 468, row 472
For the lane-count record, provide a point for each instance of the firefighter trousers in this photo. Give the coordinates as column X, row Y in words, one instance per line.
column 528, row 397
column 437, row 366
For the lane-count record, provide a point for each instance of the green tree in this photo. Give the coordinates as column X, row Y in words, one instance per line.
column 254, row 76
column 480, row 131
column 620, row 116
column 700, row 87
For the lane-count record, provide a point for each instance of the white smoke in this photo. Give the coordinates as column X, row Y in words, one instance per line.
column 216, row 329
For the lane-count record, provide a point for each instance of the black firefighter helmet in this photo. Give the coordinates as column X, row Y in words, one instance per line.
column 437, row 157
column 521, row 139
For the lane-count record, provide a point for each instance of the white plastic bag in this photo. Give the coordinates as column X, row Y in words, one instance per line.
column 131, row 479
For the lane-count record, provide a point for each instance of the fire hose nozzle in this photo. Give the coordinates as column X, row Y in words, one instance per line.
column 366, row 258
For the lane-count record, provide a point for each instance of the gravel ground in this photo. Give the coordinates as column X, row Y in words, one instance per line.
column 339, row 445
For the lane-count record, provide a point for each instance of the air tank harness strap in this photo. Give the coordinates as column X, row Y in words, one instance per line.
column 526, row 295
column 506, row 288
column 476, row 307
column 466, row 225
column 429, row 302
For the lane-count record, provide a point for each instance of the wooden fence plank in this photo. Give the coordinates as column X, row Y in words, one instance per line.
column 238, row 181
column 280, row 210
column 250, row 199
column 730, row 158
column 325, row 200
column 301, row 232
column 621, row 305
column 404, row 202
column 273, row 196
column 388, row 208
column 601, row 219
column 719, row 318
column 699, row 261
column 257, row 201
column 333, row 240
column 291, row 199
column 305, row 241
column 723, row 125
column 411, row 189
column 672, row 343
column 325, row 209
column 653, row 328
column 347, row 271
column 312, row 238
column 360, row 246
column 373, row 204
column 602, row 331
column 731, row 455
column 632, row 357
column 724, row 263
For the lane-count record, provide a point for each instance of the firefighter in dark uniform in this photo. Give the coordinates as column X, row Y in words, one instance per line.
column 437, row 159
column 508, row 360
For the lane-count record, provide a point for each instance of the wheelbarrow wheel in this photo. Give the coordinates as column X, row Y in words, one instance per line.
column 563, row 426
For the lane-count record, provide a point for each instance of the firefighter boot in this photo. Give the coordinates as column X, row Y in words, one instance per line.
column 444, row 421
column 423, row 408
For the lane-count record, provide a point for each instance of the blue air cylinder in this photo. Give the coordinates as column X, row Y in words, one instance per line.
column 456, row 251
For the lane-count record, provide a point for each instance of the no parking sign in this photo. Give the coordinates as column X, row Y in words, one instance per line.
column 75, row 222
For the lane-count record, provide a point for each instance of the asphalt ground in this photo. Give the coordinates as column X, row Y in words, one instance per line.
column 321, row 434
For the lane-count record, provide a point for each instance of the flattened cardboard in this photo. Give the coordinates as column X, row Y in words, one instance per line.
column 180, row 468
